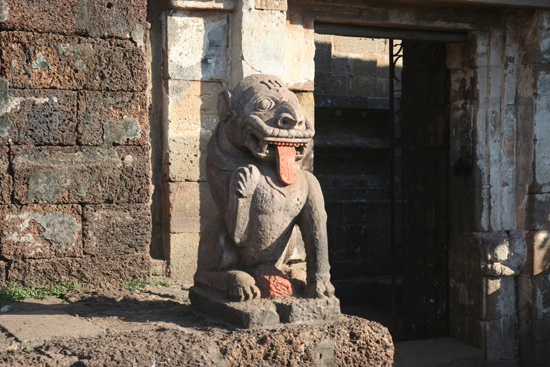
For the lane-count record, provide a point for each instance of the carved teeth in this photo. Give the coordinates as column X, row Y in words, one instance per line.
column 262, row 146
column 289, row 144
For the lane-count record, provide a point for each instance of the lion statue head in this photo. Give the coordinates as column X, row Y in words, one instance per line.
column 262, row 117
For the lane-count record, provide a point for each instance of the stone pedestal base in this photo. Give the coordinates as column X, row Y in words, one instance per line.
column 264, row 312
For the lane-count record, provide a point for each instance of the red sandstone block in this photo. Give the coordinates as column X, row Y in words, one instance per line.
column 113, row 230
column 94, row 18
column 112, row 118
column 90, row 175
column 6, row 181
column 40, row 117
column 40, row 231
column 95, row 272
column 51, row 61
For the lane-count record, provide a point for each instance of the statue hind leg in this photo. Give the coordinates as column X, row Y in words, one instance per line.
column 217, row 261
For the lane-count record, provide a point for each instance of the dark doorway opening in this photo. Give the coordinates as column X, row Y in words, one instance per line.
column 382, row 158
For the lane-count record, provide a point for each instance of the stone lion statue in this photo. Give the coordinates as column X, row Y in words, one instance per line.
column 255, row 175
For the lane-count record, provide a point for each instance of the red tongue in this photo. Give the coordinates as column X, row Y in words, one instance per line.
column 285, row 163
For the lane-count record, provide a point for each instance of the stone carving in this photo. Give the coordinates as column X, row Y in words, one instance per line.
column 504, row 253
column 255, row 175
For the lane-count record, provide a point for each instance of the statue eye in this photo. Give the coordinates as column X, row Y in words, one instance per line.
column 264, row 104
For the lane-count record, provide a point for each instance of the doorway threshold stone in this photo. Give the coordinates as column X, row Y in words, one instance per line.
column 440, row 352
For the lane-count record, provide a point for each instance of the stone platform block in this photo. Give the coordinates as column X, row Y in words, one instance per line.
column 51, row 61
column 348, row 341
column 296, row 310
column 90, row 175
column 256, row 313
column 264, row 312
column 40, row 231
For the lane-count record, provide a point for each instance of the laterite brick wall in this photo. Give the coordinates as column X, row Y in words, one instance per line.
column 75, row 181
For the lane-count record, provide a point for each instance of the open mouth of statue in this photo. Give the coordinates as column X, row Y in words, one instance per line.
column 266, row 147
column 285, row 151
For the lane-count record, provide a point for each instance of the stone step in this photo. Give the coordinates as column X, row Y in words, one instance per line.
column 441, row 352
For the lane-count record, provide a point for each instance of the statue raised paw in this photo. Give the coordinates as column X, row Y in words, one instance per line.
column 255, row 175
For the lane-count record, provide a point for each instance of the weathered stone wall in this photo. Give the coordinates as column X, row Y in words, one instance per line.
column 74, row 141
column 482, row 186
column 533, row 177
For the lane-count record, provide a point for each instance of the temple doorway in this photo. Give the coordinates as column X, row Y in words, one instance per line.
column 382, row 157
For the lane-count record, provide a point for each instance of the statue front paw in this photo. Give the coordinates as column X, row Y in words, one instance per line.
column 242, row 286
column 319, row 288
column 244, row 180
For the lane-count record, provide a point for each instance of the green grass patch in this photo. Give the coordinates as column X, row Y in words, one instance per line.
column 133, row 284
column 16, row 293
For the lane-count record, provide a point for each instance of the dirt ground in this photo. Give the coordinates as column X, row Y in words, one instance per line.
column 141, row 328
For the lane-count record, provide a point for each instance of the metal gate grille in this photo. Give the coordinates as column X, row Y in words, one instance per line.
column 420, row 170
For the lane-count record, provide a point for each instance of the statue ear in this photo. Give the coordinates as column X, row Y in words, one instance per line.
column 224, row 105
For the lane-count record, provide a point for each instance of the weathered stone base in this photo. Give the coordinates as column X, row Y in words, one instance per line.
column 349, row 341
column 264, row 312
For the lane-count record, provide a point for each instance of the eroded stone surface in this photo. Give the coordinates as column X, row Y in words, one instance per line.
column 93, row 271
column 33, row 328
column 197, row 46
column 38, row 232
column 102, row 18
column 6, row 180
column 38, row 117
column 32, row 60
column 112, row 118
column 81, row 174
column 112, row 230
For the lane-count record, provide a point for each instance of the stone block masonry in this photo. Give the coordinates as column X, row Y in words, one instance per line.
column 80, row 175
column 75, row 175
column 49, row 61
